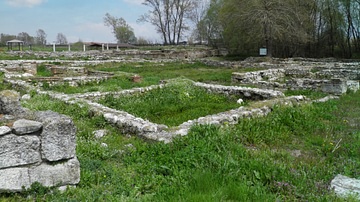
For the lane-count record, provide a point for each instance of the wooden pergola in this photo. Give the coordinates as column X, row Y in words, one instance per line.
column 15, row 42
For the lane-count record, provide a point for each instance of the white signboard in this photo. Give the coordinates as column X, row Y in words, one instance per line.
column 263, row 52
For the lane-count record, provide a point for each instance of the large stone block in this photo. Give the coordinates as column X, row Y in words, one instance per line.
column 23, row 126
column 10, row 102
column 58, row 136
column 344, row 186
column 12, row 179
column 60, row 174
column 335, row 86
column 4, row 130
column 19, row 150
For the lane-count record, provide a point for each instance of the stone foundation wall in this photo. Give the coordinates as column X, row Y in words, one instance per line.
column 35, row 147
column 335, row 81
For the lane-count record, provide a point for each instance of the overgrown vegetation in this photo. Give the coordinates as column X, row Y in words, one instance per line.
column 116, row 83
column 172, row 105
column 43, row 71
column 196, row 71
column 3, row 86
column 290, row 155
column 151, row 73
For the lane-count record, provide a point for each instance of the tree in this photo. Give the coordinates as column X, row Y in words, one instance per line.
column 5, row 38
column 197, row 16
column 25, row 37
column 61, row 39
column 122, row 31
column 142, row 41
column 266, row 22
column 169, row 17
column 41, row 37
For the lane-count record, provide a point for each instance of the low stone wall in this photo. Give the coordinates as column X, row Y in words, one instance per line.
column 241, row 92
column 129, row 124
column 334, row 81
column 35, row 147
column 72, row 81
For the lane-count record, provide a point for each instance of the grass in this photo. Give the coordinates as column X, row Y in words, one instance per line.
column 151, row 74
column 196, row 71
column 172, row 105
column 251, row 161
column 43, row 71
column 116, row 83
column 3, row 86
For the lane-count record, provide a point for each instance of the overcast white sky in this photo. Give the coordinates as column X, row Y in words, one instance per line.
column 76, row 19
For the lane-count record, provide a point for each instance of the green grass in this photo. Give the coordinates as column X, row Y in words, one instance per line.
column 151, row 74
column 154, row 71
column 42, row 71
column 250, row 161
column 3, row 86
column 172, row 105
column 116, row 83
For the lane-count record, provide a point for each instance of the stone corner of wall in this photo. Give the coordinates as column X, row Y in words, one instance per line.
column 35, row 147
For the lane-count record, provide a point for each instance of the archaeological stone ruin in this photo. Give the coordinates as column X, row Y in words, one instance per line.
column 35, row 147
column 45, row 135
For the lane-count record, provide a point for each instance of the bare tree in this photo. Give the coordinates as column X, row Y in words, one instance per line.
column 197, row 16
column 41, row 37
column 61, row 39
column 25, row 37
column 269, row 20
column 169, row 17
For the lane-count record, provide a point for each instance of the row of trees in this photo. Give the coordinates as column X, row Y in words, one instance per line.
column 310, row 28
column 39, row 39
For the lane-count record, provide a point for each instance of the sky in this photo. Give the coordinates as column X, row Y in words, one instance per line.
column 76, row 19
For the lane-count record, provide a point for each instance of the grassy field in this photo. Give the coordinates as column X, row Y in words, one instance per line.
column 290, row 155
column 151, row 73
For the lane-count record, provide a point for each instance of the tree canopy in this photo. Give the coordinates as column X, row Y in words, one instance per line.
column 122, row 31
column 309, row 28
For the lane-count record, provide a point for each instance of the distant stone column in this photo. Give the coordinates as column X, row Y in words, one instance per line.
column 54, row 48
column 107, row 46
column 84, row 47
column 103, row 47
column 69, row 47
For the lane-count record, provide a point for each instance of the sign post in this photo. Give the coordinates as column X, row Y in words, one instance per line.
column 263, row 52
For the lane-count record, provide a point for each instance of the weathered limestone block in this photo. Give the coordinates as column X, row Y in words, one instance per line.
column 335, row 86
column 19, row 150
column 23, row 126
column 65, row 173
column 58, row 136
column 4, row 130
column 353, row 85
column 30, row 68
column 12, row 179
column 344, row 186
column 10, row 102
